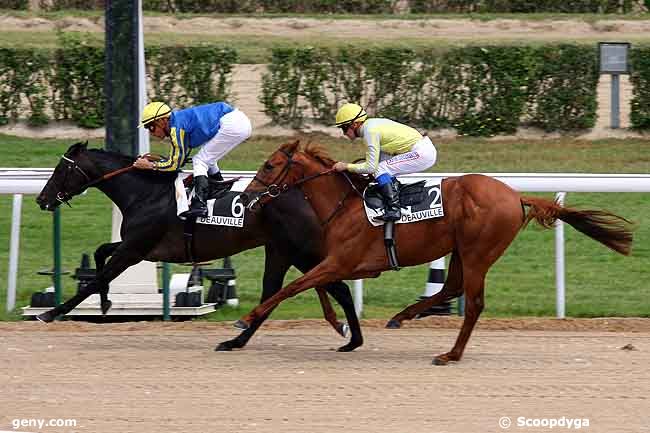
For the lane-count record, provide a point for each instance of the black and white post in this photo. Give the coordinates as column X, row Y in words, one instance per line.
column 435, row 281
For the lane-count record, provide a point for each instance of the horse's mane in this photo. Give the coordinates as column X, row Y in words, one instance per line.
column 318, row 152
column 111, row 160
column 113, row 156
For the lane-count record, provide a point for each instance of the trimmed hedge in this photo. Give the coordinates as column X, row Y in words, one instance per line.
column 14, row 4
column 68, row 83
column 640, row 79
column 477, row 90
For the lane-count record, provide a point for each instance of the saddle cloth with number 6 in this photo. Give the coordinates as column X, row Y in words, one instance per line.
column 419, row 201
column 226, row 209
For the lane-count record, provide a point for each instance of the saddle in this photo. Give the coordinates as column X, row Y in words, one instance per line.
column 410, row 194
column 217, row 188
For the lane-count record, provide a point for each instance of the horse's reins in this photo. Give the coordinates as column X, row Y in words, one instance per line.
column 273, row 190
column 64, row 197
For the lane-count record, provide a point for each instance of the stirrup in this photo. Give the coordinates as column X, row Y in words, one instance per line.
column 387, row 220
column 196, row 213
column 389, row 242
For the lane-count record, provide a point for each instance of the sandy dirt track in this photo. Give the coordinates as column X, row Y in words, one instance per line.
column 154, row 377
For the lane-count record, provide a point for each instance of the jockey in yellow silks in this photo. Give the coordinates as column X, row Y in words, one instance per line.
column 393, row 149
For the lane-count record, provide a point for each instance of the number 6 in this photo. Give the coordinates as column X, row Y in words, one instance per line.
column 237, row 208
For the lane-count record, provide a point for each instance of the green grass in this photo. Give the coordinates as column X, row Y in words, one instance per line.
column 253, row 48
column 256, row 49
column 522, row 283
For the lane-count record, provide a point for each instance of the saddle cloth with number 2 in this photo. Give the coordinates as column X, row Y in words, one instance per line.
column 419, row 201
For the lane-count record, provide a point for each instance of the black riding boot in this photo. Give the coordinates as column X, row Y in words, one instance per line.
column 390, row 196
column 216, row 176
column 199, row 206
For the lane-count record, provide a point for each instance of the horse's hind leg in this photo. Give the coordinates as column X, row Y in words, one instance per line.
column 474, row 284
column 453, row 287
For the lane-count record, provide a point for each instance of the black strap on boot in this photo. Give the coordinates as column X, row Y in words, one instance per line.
column 389, row 242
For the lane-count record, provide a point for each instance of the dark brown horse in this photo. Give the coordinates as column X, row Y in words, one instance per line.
column 482, row 216
column 151, row 231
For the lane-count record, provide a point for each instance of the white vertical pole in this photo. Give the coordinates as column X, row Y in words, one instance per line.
column 358, row 297
column 143, row 134
column 560, row 303
column 14, row 246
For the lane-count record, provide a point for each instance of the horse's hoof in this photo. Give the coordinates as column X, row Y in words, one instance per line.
column 439, row 361
column 349, row 347
column 343, row 329
column 223, row 347
column 46, row 317
column 106, row 306
column 393, row 324
column 240, row 324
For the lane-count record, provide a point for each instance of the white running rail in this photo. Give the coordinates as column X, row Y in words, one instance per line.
column 31, row 180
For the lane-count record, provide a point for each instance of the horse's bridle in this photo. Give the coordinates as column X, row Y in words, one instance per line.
column 63, row 196
column 273, row 189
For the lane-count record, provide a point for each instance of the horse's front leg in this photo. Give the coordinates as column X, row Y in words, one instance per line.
column 276, row 266
column 329, row 313
column 326, row 272
column 452, row 288
column 103, row 252
column 123, row 257
column 341, row 292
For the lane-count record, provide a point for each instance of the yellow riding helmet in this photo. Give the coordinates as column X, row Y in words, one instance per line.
column 154, row 111
column 349, row 113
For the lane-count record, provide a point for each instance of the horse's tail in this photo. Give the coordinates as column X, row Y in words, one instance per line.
column 611, row 230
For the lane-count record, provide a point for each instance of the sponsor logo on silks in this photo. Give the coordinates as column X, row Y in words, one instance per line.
column 403, row 157
column 227, row 211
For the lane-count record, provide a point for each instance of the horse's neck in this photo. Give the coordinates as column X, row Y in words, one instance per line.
column 326, row 192
column 125, row 189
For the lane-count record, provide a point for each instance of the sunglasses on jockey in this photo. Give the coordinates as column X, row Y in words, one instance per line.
column 345, row 127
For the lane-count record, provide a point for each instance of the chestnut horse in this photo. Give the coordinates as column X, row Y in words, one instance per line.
column 482, row 216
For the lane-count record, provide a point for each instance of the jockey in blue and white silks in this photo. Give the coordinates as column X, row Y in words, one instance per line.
column 216, row 128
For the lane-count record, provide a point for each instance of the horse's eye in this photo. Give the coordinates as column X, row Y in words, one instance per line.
column 268, row 166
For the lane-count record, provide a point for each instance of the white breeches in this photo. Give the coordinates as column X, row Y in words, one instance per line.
column 235, row 128
column 421, row 157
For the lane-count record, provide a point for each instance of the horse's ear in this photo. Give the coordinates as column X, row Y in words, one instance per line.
column 294, row 146
column 76, row 148
column 290, row 147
